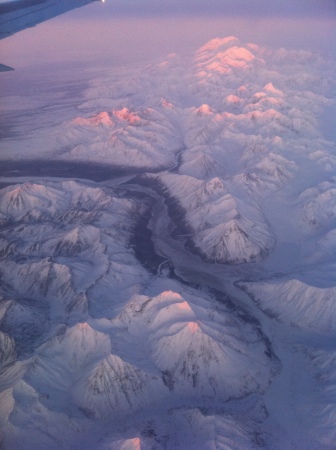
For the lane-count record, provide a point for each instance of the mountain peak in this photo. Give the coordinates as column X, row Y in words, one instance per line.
column 102, row 118
column 217, row 43
column 272, row 90
column 128, row 116
column 204, row 110
column 193, row 327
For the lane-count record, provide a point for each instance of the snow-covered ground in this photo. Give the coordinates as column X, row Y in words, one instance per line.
column 192, row 307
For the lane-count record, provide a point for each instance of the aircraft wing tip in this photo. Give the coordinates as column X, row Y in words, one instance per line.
column 4, row 68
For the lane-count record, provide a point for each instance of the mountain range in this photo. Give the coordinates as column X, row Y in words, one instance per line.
column 173, row 286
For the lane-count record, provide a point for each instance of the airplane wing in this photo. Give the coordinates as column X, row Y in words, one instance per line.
column 16, row 15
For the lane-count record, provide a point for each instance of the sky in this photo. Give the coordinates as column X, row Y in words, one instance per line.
column 125, row 31
column 285, row 8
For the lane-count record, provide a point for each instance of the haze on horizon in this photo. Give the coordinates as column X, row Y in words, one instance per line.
column 118, row 31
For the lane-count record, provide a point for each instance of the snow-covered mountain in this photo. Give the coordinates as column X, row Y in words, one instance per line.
column 123, row 138
column 196, row 349
column 296, row 303
column 186, row 300
column 225, row 228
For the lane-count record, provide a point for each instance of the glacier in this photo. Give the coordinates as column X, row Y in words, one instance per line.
column 167, row 272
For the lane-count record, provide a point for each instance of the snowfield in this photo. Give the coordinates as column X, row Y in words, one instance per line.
column 187, row 301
